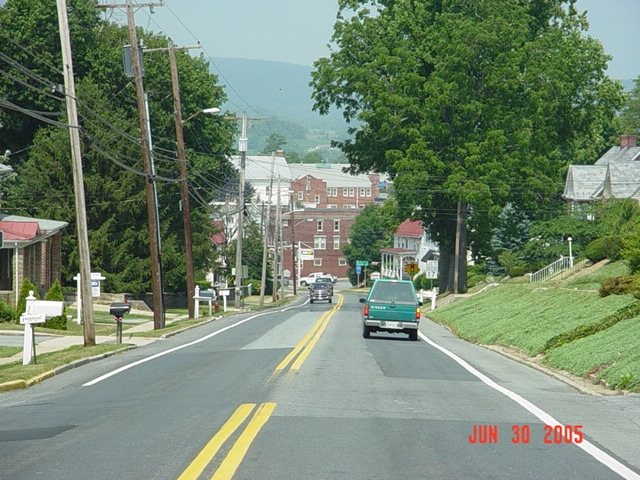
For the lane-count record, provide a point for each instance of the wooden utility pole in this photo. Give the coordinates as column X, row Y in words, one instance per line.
column 182, row 160
column 156, row 268
column 265, row 250
column 243, row 164
column 78, row 178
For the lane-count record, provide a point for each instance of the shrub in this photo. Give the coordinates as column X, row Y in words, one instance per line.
column 516, row 271
column 418, row 281
column 7, row 314
column 613, row 247
column 476, row 279
column 623, row 285
column 595, row 251
column 55, row 294
column 22, row 297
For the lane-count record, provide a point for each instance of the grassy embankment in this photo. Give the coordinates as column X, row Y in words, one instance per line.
column 565, row 323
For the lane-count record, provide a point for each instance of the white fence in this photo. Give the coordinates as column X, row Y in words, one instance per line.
column 560, row 265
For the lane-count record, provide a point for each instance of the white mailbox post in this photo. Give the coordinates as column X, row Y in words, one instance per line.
column 432, row 294
column 36, row 311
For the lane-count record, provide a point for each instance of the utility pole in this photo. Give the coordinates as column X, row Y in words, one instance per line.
column 265, row 249
column 156, row 268
column 182, row 160
column 276, row 247
column 293, row 245
column 78, row 178
column 242, row 147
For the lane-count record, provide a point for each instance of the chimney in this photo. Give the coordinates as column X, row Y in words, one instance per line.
column 280, row 153
column 628, row 141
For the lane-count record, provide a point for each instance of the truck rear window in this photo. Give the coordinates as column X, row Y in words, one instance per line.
column 390, row 292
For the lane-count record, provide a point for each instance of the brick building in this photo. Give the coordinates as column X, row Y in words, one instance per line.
column 319, row 204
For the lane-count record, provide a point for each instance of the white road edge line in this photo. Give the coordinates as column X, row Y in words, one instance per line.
column 585, row 445
column 175, row 349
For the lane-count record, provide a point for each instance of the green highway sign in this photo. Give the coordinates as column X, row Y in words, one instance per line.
column 362, row 263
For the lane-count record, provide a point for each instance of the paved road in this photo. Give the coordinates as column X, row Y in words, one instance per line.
column 300, row 394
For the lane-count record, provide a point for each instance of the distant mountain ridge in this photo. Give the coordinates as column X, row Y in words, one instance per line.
column 272, row 89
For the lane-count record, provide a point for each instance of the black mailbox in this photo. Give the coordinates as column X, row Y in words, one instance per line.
column 118, row 309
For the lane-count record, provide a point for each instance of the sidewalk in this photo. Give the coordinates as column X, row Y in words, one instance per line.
column 60, row 342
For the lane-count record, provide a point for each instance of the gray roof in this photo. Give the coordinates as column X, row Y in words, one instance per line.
column 258, row 171
column 331, row 173
column 619, row 154
column 622, row 180
column 583, row 182
column 616, row 174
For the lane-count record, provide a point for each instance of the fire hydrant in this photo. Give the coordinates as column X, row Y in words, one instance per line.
column 216, row 307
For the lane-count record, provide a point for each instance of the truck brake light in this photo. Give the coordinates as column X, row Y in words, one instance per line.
column 418, row 313
column 366, row 310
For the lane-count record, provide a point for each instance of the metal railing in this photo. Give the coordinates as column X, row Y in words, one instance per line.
column 563, row 263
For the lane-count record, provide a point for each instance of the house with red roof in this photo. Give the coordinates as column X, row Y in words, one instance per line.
column 412, row 253
column 31, row 248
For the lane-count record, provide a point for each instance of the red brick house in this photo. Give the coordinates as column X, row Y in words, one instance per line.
column 32, row 249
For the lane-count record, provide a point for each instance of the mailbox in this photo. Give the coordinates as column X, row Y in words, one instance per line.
column 118, row 309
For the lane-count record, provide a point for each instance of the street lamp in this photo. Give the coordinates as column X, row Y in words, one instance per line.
column 184, row 197
column 209, row 111
column 569, row 239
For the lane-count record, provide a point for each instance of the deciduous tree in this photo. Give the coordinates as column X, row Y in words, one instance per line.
column 468, row 106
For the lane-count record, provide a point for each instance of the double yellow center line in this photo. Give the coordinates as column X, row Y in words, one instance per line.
column 262, row 414
column 304, row 346
column 239, row 449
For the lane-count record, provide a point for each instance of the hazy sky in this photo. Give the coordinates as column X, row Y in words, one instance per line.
column 297, row 31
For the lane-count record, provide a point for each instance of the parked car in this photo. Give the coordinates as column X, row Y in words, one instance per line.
column 392, row 306
column 320, row 291
column 304, row 281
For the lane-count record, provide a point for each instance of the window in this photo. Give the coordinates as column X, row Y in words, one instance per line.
column 334, row 192
column 300, row 195
column 320, row 242
column 336, row 242
column 368, row 192
column 332, row 205
column 319, row 226
column 345, row 192
column 342, row 262
column 362, row 190
column 317, row 262
column 336, row 225
column 352, row 192
column 316, row 199
column 328, row 191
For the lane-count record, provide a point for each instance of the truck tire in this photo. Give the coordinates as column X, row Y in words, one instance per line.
column 366, row 331
column 413, row 335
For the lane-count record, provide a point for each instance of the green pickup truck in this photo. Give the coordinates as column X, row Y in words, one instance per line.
column 391, row 306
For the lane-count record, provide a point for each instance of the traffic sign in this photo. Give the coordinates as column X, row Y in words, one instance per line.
column 411, row 268
column 362, row 263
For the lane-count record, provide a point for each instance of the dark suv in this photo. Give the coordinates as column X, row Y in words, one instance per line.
column 320, row 291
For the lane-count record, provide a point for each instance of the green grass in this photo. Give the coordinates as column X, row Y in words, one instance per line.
column 612, row 355
column 527, row 316
column 9, row 351
column 49, row 361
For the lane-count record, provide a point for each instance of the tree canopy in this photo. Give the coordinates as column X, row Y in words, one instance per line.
column 32, row 115
column 468, row 106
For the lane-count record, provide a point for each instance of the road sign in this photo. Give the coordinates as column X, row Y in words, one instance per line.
column 306, row 254
column 362, row 263
column 358, row 269
column 431, row 274
column 411, row 268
